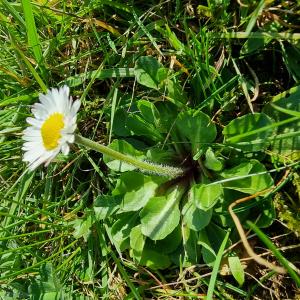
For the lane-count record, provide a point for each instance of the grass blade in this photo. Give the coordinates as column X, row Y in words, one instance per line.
column 276, row 252
column 32, row 35
column 214, row 274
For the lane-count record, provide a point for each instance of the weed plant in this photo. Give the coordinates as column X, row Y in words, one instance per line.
column 210, row 87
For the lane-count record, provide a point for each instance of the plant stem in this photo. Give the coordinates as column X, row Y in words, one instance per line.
column 142, row 165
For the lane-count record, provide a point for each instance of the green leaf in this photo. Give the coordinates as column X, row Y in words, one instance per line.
column 148, row 72
column 236, row 269
column 149, row 112
column 125, row 148
column 46, row 286
column 137, row 189
column 287, row 148
column 212, row 162
column 210, row 238
column 197, row 128
column 252, row 45
column 136, row 199
column 120, row 231
column 137, row 242
column 138, row 126
column 291, row 58
column 82, row 226
column 155, row 260
column 195, row 218
column 176, row 93
column 191, row 250
column 168, row 244
column 237, row 132
column 161, row 215
column 205, row 196
column 105, row 206
column 247, row 179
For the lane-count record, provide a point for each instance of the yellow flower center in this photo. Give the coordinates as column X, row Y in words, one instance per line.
column 51, row 130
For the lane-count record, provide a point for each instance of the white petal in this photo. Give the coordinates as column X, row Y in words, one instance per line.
column 65, row 149
column 43, row 158
column 75, row 107
column 34, row 122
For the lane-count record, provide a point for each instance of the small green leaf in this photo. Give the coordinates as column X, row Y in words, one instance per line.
column 148, row 71
column 211, row 238
column 168, row 244
column 176, row 93
column 248, row 178
column 155, row 260
column 138, row 126
column 287, row 148
column 160, row 216
column 123, row 147
column 191, row 249
column 236, row 269
column 149, row 112
column 197, row 128
column 82, row 226
column 120, row 231
column 137, row 242
column 205, row 196
column 195, row 218
column 105, row 206
column 212, row 162
column 137, row 189
column 237, row 132
column 136, row 199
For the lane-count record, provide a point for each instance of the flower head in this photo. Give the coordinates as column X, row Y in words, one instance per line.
column 52, row 128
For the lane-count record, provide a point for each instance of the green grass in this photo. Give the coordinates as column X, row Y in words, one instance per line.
column 211, row 58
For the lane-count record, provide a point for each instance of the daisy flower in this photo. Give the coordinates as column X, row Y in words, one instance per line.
column 52, row 128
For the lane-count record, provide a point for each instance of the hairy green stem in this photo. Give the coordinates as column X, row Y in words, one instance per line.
column 142, row 165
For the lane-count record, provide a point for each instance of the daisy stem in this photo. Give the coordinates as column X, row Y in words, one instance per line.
column 142, row 165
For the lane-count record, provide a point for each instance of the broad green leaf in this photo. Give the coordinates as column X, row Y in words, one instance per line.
column 120, row 231
column 82, row 226
column 267, row 212
column 191, row 250
column 155, row 260
column 46, row 286
column 149, row 112
column 148, row 72
column 125, row 148
column 253, row 45
column 119, row 125
column 236, row 269
column 212, row 162
column 136, row 199
column 288, row 147
column 249, row 179
column 176, row 93
column 197, row 128
column 238, row 132
column 205, row 196
column 137, row 189
column 291, row 58
column 195, row 218
column 161, row 215
column 105, row 206
column 240, row 170
column 168, row 244
column 211, row 238
column 137, row 242
column 138, row 126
